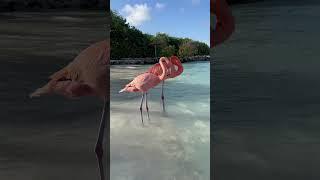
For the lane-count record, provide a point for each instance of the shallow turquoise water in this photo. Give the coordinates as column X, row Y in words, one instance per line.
column 173, row 145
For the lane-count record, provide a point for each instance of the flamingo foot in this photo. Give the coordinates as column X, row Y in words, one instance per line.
column 148, row 113
column 141, row 116
column 142, row 98
column 99, row 155
column 162, row 97
column 162, row 102
column 99, row 144
column 147, row 106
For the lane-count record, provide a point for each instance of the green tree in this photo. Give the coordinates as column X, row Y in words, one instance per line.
column 129, row 42
column 161, row 39
column 202, row 48
column 119, row 31
column 187, row 49
column 168, row 51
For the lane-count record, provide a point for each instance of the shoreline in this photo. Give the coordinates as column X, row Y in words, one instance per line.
column 125, row 61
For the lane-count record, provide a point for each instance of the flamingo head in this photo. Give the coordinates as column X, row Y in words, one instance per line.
column 163, row 59
column 169, row 67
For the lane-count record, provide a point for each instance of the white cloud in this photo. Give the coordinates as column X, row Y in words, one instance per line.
column 160, row 5
column 195, row 2
column 136, row 14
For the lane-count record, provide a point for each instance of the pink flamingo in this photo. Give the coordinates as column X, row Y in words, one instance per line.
column 223, row 23
column 174, row 68
column 144, row 82
column 86, row 75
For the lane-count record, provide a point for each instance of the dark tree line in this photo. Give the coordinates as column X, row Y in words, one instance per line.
column 129, row 42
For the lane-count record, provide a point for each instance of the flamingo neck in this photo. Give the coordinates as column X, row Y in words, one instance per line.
column 164, row 71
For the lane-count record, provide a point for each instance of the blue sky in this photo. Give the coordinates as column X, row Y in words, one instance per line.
column 180, row 18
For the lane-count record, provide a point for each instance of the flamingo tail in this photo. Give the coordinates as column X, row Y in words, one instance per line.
column 122, row 90
column 40, row 91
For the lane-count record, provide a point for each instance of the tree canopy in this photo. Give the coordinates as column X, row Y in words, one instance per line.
column 129, row 42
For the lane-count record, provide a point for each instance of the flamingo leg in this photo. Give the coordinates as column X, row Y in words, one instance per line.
column 141, row 107
column 162, row 97
column 147, row 106
column 99, row 143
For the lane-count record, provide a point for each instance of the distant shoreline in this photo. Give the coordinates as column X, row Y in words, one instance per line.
column 149, row 60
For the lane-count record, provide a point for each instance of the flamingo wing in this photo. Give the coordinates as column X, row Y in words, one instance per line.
column 146, row 81
column 142, row 83
column 85, row 75
column 155, row 69
column 66, row 88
